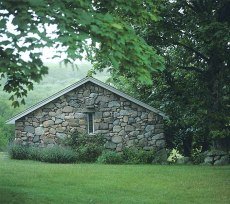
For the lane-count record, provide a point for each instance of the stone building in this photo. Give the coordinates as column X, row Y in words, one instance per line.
column 93, row 107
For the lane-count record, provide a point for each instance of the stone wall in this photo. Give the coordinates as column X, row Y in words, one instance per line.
column 216, row 157
column 122, row 122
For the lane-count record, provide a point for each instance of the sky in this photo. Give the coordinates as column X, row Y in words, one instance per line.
column 47, row 52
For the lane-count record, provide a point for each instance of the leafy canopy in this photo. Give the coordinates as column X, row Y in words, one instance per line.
column 193, row 90
column 101, row 30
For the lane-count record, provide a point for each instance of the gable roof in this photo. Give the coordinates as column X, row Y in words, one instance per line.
column 75, row 85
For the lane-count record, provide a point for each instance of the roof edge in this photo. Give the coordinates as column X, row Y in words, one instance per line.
column 75, row 85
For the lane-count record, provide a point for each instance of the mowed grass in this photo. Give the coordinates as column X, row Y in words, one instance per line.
column 36, row 182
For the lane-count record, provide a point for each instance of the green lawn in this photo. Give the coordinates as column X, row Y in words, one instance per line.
column 35, row 182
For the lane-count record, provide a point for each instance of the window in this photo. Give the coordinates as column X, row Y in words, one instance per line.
column 90, row 123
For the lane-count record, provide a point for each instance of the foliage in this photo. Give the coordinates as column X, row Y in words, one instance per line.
column 104, row 30
column 54, row 154
column 88, row 153
column 35, row 153
column 57, row 154
column 90, row 183
column 138, row 156
column 88, row 147
column 193, row 90
column 197, row 156
column 18, row 152
column 6, row 131
column 174, row 156
column 110, row 157
column 78, row 139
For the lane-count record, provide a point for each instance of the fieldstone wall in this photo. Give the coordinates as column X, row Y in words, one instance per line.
column 122, row 122
column 217, row 157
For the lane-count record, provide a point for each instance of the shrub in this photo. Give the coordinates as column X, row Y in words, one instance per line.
column 76, row 140
column 88, row 153
column 54, row 154
column 57, row 154
column 35, row 153
column 18, row 152
column 110, row 157
column 88, row 147
column 197, row 156
column 174, row 156
column 136, row 156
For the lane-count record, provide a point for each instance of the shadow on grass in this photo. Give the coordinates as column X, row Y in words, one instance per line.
column 9, row 196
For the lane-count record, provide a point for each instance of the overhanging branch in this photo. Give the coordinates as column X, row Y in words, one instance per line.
column 196, row 69
column 193, row 50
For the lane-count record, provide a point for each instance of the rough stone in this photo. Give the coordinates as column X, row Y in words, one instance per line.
column 52, row 114
column 208, row 160
column 160, row 143
column 129, row 128
column 124, row 112
column 116, row 122
column 140, row 136
column 67, row 109
column 39, row 131
column 101, row 131
column 52, row 131
column 61, row 135
column 60, row 116
column 86, row 93
column 224, row 160
column 116, row 128
column 93, row 95
column 110, row 145
column 73, row 122
column 113, row 104
column 158, row 136
column 106, row 114
column 60, row 129
column 79, row 115
column 98, row 115
column 125, row 119
column 103, row 126
column 29, row 129
column 119, row 148
column 117, row 139
column 134, row 133
column 143, row 142
column 148, row 134
column 130, row 143
column 48, row 123
column 149, row 128
column 58, row 121
column 158, row 131
column 36, row 138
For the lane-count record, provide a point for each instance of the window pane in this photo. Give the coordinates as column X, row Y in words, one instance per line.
column 90, row 122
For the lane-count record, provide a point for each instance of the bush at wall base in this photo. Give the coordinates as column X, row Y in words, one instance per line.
column 54, row 154
column 110, row 157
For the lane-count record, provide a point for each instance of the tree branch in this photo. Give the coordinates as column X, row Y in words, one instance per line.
column 193, row 50
column 196, row 69
column 185, row 46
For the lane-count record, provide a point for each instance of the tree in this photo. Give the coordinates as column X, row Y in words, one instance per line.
column 193, row 36
column 6, row 131
column 101, row 29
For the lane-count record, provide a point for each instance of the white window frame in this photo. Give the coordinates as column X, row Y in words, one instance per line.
column 92, row 122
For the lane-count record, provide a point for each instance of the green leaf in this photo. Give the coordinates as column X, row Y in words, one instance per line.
column 117, row 25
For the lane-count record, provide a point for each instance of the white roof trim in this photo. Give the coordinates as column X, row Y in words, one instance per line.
column 75, row 85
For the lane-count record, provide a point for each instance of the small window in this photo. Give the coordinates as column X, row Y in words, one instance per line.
column 90, row 123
